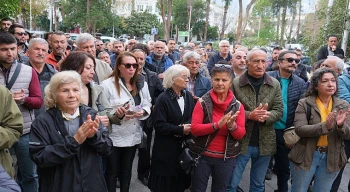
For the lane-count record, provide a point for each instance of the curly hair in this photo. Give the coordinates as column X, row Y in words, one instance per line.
column 316, row 78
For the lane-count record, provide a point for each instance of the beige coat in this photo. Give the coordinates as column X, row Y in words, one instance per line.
column 302, row 152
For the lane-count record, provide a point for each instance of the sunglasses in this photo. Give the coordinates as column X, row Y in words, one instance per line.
column 224, row 66
column 128, row 65
column 20, row 34
column 290, row 60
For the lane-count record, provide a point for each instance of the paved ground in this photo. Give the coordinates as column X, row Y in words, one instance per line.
column 136, row 185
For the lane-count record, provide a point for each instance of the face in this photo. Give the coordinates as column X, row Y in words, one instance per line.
column 275, row 54
column 181, row 49
column 180, row 81
column 191, row 44
column 88, row 47
column 327, row 85
column 140, row 56
column 58, row 44
column 159, row 49
column 192, row 64
column 67, row 36
column 221, row 82
column 5, row 25
column 37, row 53
column 68, row 96
column 105, row 57
column 332, row 41
column 8, row 53
column 288, row 66
column 88, row 71
column 150, row 45
column 208, row 47
column 118, row 48
column 239, row 60
column 299, row 54
column 257, row 64
column 171, row 45
column 109, row 46
column 20, row 34
column 332, row 64
column 125, row 72
column 131, row 44
column 100, row 46
column 224, row 48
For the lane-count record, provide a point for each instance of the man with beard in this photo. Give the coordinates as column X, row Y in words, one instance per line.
column 293, row 87
column 172, row 51
column 100, row 46
column 58, row 44
column 159, row 59
column 330, row 49
column 37, row 53
column 104, row 56
column 5, row 24
column 25, row 88
column 238, row 62
column 18, row 31
column 118, row 47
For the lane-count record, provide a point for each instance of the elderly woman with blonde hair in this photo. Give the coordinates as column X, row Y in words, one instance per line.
column 67, row 139
column 171, row 118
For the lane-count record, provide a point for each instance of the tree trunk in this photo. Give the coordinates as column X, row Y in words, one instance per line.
column 239, row 22
column 278, row 25
column 189, row 20
column 207, row 10
column 88, row 27
column 292, row 24
column 247, row 10
column 223, row 27
column 298, row 26
column 168, row 19
column 283, row 24
column 165, row 21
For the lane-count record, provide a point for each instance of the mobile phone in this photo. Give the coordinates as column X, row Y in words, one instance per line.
column 125, row 104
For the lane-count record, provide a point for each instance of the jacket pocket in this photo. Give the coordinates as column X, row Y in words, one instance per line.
column 297, row 153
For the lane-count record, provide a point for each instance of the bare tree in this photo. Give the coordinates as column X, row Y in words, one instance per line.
column 88, row 26
column 294, row 10
column 207, row 10
column 166, row 19
column 239, row 24
column 298, row 25
column 222, row 33
column 246, row 18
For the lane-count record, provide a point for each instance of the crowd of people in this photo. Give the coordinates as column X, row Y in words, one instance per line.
column 74, row 114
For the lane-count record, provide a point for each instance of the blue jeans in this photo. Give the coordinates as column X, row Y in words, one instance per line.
column 220, row 169
column 323, row 179
column 258, row 170
column 26, row 173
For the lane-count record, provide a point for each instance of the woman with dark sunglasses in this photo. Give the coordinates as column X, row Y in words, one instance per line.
column 129, row 97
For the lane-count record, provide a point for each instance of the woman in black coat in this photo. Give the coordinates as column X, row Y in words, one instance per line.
column 172, row 118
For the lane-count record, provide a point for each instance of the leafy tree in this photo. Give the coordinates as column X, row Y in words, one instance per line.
column 141, row 23
column 8, row 8
column 38, row 8
column 227, row 3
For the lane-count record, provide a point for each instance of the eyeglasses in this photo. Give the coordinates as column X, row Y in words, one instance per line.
column 290, row 60
column 20, row 34
column 99, row 44
column 128, row 65
column 193, row 62
column 224, row 66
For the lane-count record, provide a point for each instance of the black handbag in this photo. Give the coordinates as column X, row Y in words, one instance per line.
column 187, row 162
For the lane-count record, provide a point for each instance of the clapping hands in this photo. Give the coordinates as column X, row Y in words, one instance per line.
column 87, row 130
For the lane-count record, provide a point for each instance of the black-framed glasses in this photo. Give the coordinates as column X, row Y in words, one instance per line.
column 290, row 60
column 20, row 34
column 128, row 65
column 224, row 66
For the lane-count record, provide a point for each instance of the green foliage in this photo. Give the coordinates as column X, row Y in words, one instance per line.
column 212, row 32
column 180, row 16
column 141, row 23
column 42, row 22
column 9, row 8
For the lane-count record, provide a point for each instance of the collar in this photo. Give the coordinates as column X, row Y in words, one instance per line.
column 173, row 95
column 243, row 79
column 70, row 117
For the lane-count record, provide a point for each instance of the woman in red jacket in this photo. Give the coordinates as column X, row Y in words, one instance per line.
column 217, row 125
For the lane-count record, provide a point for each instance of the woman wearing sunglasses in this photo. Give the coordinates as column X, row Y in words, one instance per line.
column 128, row 95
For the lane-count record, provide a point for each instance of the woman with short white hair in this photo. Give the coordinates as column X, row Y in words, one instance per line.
column 172, row 118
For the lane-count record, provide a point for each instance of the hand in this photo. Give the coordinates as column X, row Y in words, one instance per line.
column 194, row 97
column 63, row 57
column 87, row 129
column 19, row 96
column 231, row 121
column 333, row 47
column 224, row 120
column 93, row 125
column 120, row 112
column 330, row 120
column 187, row 129
column 161, row 76
column 341, row 117
column 139, row 114
column 260, row 113
column 104, row 120
column 289, row 146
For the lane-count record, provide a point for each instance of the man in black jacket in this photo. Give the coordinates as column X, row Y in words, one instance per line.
column 292, row 88
column 155, row 89
column 330, row 49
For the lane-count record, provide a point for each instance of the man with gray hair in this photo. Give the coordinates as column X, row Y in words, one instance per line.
column 58, row 44
column 159, row 59
column 223, row 54
column 104, row 56
column 86, row 43
column 334, row 63
column 261, row 97
column 37, row 53
column 198, row 85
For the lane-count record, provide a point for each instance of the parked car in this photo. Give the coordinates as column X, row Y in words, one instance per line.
column 107, row 39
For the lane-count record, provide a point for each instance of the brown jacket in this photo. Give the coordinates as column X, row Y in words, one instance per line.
column 309, row 132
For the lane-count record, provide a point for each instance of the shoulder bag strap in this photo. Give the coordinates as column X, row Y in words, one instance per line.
column 14, row 76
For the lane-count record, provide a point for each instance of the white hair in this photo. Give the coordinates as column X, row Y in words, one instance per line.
column 83, row 38
column 190, row 54
column 172, row 72
column 223, row 41
column 251, row 52
column 339, row 62
column 39, row 41
column 64, row 77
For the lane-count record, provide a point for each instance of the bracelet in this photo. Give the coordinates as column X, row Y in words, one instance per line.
column 214, row 127
column 234, row 128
